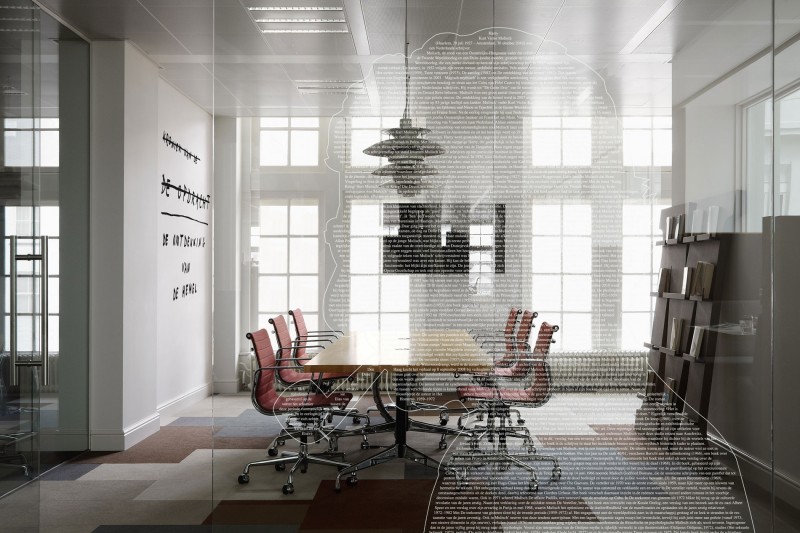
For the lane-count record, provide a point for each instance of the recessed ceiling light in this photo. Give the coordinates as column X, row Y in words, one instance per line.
column 314, row 8
column 305, row 31
column 299, row 21
column 17, row 19
column 329, row 81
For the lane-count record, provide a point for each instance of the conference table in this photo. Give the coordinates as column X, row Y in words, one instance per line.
column 404, row 354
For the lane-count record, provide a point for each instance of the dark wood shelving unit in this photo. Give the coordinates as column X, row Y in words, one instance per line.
column 692, row 375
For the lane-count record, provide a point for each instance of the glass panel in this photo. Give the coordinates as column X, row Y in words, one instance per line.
column 394, row 322
column 577, row 255
column 272, row 294
column 304, row 293
column 273, row 254
column 547, row 219
column 394, row 293
column 577, row 293
column 579, row 326
column 364, row 322
column 364, row 294
column 304, row 219
column 305, row 148
column 364, row 255
column 577, row 148
column 365, row 219
column 546, row 254
column 304, row 255
column 274, row 148
column 273, row 219
column 546, row 292
column 546, row 147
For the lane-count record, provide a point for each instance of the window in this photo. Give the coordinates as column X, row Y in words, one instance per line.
column 641, row 260
column 481, row 258
column 290, row 142
column 20, row 221
column 364, row 132
column 288, row 259
column 561, row 142
column 647, row 141
column 19, row 142
column 562, row 270
column 377, row 301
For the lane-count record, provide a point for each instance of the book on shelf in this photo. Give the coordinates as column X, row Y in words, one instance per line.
column 697, row 338
column 713, row 219
column 688, row 275
column 669, row 228
column 703, row 277
column 663, row 280
column 669, row 392
column 675, row 334
column 698, row 218
column 680, row 227
column 650, row 385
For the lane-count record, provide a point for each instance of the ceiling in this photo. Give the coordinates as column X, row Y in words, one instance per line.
column 217, row 53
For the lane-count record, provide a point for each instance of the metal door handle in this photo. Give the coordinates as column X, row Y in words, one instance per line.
column 42, row 257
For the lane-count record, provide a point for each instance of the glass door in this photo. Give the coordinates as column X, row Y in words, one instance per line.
column 23, row 360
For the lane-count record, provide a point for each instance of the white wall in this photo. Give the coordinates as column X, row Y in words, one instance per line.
column 184, row 319
column 131, row 376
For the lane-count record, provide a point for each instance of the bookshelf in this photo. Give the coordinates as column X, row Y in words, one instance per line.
column 668, row 355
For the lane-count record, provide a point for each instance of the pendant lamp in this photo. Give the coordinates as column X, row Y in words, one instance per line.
column 406, row 149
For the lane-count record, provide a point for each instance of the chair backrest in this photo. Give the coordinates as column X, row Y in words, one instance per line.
column 301, row 330
column 511, row 323
column 264, row 393
column 285, row 351
column 525, row 327
column 541, row 385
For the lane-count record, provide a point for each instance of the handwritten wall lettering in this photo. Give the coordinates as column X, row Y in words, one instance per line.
column 178, row 148
column 165, row 213
column 182, row 291
column 185, row 267
column 185, row 194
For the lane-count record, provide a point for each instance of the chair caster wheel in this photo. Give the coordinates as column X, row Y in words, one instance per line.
column 520, row 421
column 533, row 486
column 280, row 467
column 365, row 445
column 244, row 479
column 272, row 452
column 288, row 488
column 442, row 444
column 352, row 481
column 443, row 419
column 556, row 475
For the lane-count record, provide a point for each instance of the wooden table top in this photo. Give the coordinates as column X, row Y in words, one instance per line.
column 419, row 351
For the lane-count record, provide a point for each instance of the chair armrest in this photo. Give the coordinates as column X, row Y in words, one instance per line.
column 516, row 343
column 315, row 338
column 337, row 331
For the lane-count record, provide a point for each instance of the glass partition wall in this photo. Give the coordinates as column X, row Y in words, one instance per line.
column 632, row 187
column 44, row 360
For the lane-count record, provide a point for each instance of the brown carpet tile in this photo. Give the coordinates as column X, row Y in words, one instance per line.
column 170, row 445
column 372, row 505
column 257, row 512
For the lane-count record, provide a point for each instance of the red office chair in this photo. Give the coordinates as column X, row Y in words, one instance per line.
column 496, row 402
column 292, row 356
column 307, row 414
column 506, row 333
column 290, row 371
column 302, row 331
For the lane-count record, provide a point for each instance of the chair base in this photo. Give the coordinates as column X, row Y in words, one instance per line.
column 300, row 459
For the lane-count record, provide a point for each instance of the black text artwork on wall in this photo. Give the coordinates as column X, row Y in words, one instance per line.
column 187, row 196
column 178, row 148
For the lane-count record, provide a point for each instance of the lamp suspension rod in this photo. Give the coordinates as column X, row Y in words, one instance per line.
column 408, row 77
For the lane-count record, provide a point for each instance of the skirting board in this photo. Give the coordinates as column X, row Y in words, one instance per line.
column 57, row 441
column 756, row 471
column 226, row 387
column 186, row 400
column 115, row 441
